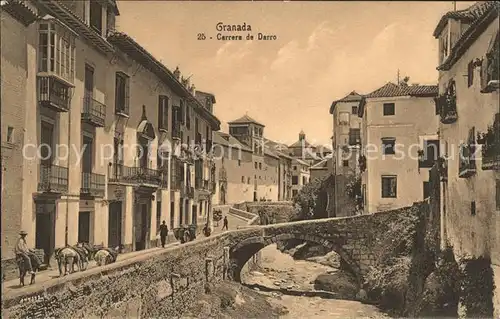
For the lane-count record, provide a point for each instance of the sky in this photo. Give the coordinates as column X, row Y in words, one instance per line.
column 323, row 51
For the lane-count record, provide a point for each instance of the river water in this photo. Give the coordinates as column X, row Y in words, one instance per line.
column 281, row 270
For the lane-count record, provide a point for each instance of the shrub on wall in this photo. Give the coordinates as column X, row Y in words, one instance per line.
column 442, row 289
column 477, row 286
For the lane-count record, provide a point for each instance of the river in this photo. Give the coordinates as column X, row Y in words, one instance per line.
column 279, row 270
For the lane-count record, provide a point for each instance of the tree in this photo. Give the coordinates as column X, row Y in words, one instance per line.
column 307, row 202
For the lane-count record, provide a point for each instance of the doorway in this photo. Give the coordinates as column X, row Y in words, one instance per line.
column 186, row 212
column 84, row 227
column 45, row 228
column 172, row 206
column 181, row 211
column 115, row 224
column 194, row 215
column 142, row 224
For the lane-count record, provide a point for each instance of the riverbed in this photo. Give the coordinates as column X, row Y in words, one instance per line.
column 280, row 271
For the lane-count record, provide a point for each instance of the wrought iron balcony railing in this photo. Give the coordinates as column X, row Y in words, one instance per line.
column 53, row 179
column 467, row 164
column 119, row 173
column 54, row 93
column 93, row 184
column 93, row 112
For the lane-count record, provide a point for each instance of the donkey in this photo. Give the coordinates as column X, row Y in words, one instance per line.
column 70, row 255
column 105, row 256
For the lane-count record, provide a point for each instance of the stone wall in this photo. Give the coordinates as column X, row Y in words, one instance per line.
column 165, row 282
column 151, row 285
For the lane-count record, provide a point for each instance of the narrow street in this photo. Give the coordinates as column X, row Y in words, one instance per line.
column 12, row 286
column 280, row 270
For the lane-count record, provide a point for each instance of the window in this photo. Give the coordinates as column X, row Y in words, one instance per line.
column 426, row 189
column 121, row 93
column 10, row 134
column 188, row 118
column 345, row 163
column 473, row 208
column 96, row 16
column 430, row 154
column 355, row 110
column 354, row 136
column 56, row 46
column 388, row 146
column 304, row 181
column 239, row 162
column 260, row 165
column 255, row 165
column 344, row 118
column 490, row 66
column 294, row 192
column 389, row 187
column 470, row 74
column 163, row 112
column 248, row 180
column 238, row 131
column 295, row 168
column 295, row 180
column 389, row 109
column 243, row 179
column 182, row 112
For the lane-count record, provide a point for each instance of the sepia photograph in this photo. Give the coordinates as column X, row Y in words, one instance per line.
column 250, row 159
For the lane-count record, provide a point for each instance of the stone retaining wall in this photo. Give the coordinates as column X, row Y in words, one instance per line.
column 151, row 285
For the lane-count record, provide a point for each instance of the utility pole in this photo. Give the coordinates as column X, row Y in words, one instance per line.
column 398, row 76
column 454, row 6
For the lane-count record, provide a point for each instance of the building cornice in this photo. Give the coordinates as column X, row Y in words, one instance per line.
column 469, row 37
column 133, row 49
column 20, row 10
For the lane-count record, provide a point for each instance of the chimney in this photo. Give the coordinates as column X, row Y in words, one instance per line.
column 193, row 89
column 177, row 73
column 302, row 136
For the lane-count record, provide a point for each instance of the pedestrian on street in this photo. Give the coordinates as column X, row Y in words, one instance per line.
column 225, row 226
column 163, row 233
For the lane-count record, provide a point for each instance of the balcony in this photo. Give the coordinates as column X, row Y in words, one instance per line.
column 54, row 93
column 447, row 105
column 490, row 145
column 93, row 112
column 93, row 184
column 467, row 164
column 53, row 179
column 176, row 130
column 119, row 173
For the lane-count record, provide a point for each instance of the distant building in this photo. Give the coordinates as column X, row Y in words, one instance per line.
column 308, row 152
column 346, row 140
column 300, row 175
column 469, row 113
column 248, row 166
column 399, row 122
column 321, row 169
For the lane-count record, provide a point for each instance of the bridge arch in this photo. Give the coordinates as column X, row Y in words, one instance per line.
column 240, row 253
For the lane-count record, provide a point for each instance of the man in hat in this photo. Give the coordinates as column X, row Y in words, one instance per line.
column 27, row 254
column 163, row 234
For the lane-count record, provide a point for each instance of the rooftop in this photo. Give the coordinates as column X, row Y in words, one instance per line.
column 392, row 90
column 351, row 97
column 468, row 15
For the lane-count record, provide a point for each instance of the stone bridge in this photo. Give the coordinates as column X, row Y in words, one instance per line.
column 165, row 281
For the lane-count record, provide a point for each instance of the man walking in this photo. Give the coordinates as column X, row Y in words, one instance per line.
column 225, row 226
column 27, row 254
column 163, row 234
